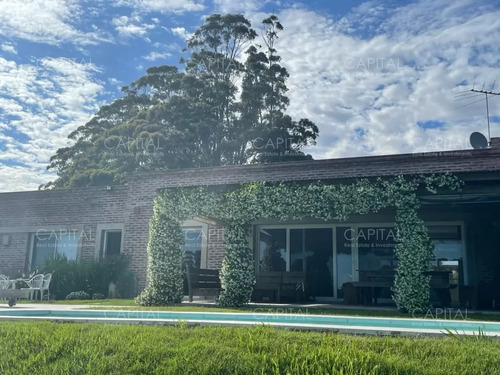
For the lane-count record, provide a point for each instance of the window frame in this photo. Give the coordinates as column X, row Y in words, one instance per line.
column 256, row 227
column 100, row 240
column 105, row 241
column 199, row 225
column 35, row 231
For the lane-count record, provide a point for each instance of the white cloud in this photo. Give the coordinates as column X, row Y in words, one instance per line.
column 368, row 92
column 153, row 56
column 8, row 47
column 41, row 104
column 131, row 26
column 367, row 79
column 115, row 82
column 42, row 21
column 163, row 6
column 181, row 32
column 241, row 6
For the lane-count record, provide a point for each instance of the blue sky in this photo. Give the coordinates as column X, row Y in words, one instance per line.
column 376, row 77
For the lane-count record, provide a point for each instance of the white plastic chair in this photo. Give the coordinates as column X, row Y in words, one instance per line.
column 4, row 282
column 45, row 286
column 34, row 285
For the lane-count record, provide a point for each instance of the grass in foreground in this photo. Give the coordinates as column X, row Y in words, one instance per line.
column 74, row 348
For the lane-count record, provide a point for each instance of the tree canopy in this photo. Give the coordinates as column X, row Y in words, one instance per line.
column 226, row 106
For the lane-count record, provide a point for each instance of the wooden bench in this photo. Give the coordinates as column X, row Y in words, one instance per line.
column 269, row 281
column 202, row 282
column 12, row 295
column 368, row 290
column 281, row 283
column 372, row 284
column 293, row 284
column 440, row 286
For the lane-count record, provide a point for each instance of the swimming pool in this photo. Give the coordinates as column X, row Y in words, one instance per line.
column 301, row 321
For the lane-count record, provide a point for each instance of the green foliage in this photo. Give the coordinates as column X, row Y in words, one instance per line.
column 238, row 208
column 164, row 258
column 91, row 276
column 238, row 268
column 414, row 249
column 479, row 336
column 98, row 296
column 80, row 295
column 41, row 348
column 169, row 119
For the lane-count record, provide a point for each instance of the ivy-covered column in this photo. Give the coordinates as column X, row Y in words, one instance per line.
column 413, row 251
column 165, row 280
column 238, row 268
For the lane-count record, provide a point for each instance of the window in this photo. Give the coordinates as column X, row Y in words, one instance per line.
column 192, row 246
column 67, row 246
column 311, row 251
column 272, row 250
column 49, row 245
column 344, row 258
column 376, row 249
column 447, row 240
column 298, row 249
column 112, row 243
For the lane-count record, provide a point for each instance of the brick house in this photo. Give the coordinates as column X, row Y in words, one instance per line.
column 97, row 222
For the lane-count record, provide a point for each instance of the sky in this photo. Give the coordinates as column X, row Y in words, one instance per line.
column 377, row 77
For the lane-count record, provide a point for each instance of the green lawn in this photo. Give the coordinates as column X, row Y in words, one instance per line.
column 75, row 348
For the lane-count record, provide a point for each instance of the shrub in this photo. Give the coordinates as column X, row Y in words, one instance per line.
column 164, row 261
column 238, row 270
column 89, row 276
column 77, row 295
column 98, row 296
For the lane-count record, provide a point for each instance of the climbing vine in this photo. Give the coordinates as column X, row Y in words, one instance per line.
column 239, row 207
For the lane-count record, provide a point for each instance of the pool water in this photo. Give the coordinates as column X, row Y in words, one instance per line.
column 346, row 323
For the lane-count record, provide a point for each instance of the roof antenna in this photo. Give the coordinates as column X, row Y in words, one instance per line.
column 486, row 93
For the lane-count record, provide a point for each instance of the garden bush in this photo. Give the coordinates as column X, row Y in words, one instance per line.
column 89, row 276
column 77, row 295
column 98, row 296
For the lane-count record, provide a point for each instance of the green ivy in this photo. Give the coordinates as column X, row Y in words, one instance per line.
column 241, row 206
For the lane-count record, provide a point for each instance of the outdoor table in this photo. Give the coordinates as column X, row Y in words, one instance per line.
column 368, row 290
column 12, row 294
column 371, row 284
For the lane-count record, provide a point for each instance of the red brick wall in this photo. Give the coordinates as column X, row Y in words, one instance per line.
column 215, row 247
column 24, row 214
column 132, row 204
column 13, row 255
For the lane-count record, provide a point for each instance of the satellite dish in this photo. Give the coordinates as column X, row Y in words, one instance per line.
column 478, row 141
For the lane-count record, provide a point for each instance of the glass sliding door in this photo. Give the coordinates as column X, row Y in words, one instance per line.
column 192, row 246
column 311, row 251
column 298, row 249
column 298, row 252
column 272, row 250
column 448, row 255
column 376, row 249
column 376, row 257
column 343, row 245
column 336, row 254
